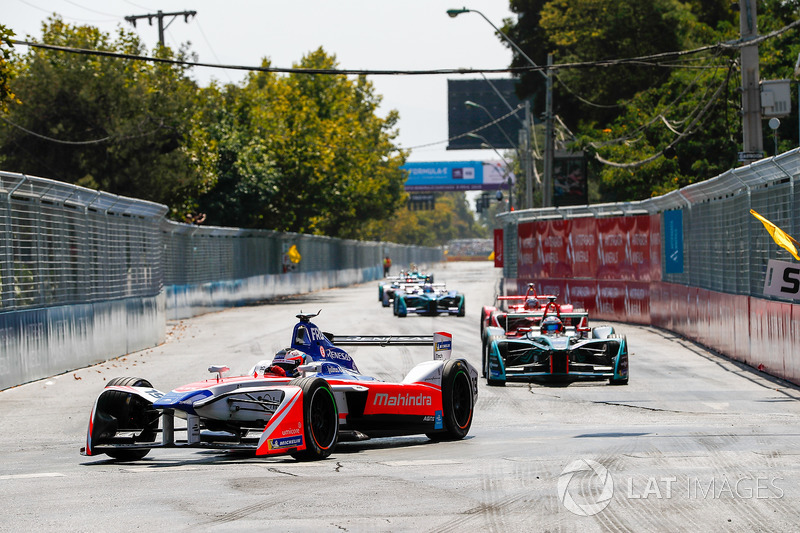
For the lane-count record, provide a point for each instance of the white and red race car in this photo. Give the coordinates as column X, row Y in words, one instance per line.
column 301, row 403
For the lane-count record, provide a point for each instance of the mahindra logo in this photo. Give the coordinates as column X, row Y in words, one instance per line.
column 402, row 399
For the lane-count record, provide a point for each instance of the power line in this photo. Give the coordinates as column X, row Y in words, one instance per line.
column 282, row 70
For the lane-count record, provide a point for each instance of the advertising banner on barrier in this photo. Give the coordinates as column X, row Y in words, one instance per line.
column 582, row 294
column 639, row 247
column 551, row 260
column 637, row 302
column 611, row 300
column 673, row 242
column 525, row 251
column 498, row 247
column 613, row 262
column 582, row 249
column 655, row 247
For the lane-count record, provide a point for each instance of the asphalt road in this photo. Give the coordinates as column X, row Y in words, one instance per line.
column 694, row 442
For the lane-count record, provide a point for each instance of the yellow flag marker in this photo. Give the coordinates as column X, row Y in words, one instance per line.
column 294, row 254
column 781, row 238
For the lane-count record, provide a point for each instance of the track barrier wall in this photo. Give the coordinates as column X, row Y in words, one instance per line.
column 693, row 261
column 86, row 276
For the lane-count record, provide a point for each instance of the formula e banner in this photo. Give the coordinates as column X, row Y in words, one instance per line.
column 458, row 176
column 782, row 280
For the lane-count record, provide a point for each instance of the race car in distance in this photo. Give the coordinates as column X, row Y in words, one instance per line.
column 301, row 403
column 429, row 299
column 521, row 311
column 387, row 288
column 563, row 348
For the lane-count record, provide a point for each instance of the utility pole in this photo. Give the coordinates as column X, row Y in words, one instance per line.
column 160, row 17
column 549, row 138
column 752, row 135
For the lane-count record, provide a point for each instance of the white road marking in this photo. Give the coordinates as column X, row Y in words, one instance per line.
column 32, row 476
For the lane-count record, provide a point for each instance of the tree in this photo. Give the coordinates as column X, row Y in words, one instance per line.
column 304, row 153
column 451, row 218
column 101, row 122
column 6, row 94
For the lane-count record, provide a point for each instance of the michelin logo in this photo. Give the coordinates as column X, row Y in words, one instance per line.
column 444, row 345
column 287, row 442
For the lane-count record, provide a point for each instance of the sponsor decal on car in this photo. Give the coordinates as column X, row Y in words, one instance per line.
column 285, row 442
column 401, row 399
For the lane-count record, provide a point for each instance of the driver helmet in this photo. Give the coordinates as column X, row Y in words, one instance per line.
column 531, row 303
column 552, row 326
column 289, row 359
column 427, row 288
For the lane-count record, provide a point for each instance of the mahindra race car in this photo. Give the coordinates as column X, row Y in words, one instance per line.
column 302, row 403
column 562, row 348
column 519, row 311
column 429, row 299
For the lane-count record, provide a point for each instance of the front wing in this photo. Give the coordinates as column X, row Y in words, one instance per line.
column 519, row 360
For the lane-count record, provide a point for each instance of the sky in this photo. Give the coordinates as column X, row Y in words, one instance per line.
column 362, row 34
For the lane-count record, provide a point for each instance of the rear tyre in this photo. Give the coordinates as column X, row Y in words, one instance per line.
column 462, row 308
column 123, row 411
column 320, row 419
column 457, row 401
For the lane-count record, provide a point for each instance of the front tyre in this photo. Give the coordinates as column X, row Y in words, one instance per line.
column 119, row 411
column 320, row 419
column 457, row 401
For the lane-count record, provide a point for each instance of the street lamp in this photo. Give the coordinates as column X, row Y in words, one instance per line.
column 547, row 193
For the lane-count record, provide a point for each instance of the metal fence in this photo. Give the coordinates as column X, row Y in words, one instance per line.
column 725, row 248
column 64, row 244
column 197, row 254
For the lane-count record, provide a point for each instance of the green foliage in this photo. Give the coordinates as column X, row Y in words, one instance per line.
column 100, row 122
column 628, row 115
column 6, row 94
column 451, row 218
column 301, row 153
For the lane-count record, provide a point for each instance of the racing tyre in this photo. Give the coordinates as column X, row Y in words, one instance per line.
column 122, row 411
column 462, row 309
column 457, row 398
column 623, row 381
column 320, row 419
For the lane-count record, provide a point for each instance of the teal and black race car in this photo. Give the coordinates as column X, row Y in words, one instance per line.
column 391, row 284
column 562, row 349
column 429, row 299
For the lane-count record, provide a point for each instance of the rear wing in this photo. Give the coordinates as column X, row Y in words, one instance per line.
column 441, row 341
column 381, row 340
column 569, row 319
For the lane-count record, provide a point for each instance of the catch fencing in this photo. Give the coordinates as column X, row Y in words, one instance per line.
column 693, row 261
column 86, row 275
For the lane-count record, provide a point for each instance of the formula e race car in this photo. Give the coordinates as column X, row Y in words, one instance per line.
column 519, row 311
column 302, row 403
column 563, row 348
column 429, row 299
column 406, row 279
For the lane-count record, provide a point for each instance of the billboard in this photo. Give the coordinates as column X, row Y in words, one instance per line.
column 463, row 118
column 458, row 176
column 569, row 179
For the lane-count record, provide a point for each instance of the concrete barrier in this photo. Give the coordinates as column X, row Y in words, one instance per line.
column 37, row 343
